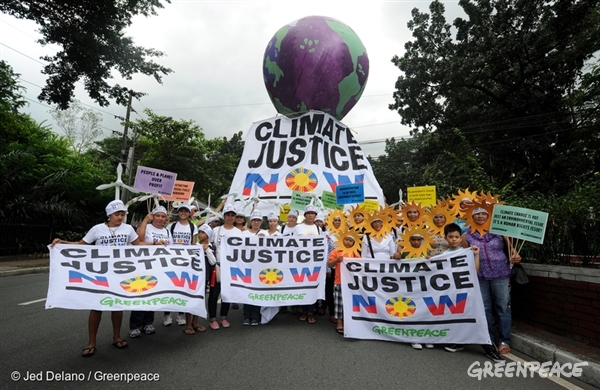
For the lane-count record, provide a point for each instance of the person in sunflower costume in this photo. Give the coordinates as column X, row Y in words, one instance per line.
column 350, row 243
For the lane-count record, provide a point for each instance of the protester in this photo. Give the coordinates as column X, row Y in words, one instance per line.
column 151, row 229
column 348, row 249
column 377, row 243
column 308, row 228
column 494, row 277
column 114, row 232
column 273, row 230
column 183, row 232
column 252, row 312
column 289, row 228
column 228, row 229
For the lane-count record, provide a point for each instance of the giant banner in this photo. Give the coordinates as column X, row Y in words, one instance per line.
column 435, row 301
column 111, row 278
column 311, row 153
column 271, row 271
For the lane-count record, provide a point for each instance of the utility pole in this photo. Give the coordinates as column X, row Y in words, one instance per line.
column 123, row 157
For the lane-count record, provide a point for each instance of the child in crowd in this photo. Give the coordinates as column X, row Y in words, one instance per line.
column 335, row 258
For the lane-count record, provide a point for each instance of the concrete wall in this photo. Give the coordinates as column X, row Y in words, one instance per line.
column 561, row 300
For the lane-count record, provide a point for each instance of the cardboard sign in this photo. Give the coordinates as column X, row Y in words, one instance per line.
column 350, row 193
column 424, row 195
column 154, row 181
column 181, row 192
column 517, row 222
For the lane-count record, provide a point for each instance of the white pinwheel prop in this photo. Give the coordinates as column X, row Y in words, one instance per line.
column 208, row 211
column 145, row 198
column 118, row 184
column 400, row 202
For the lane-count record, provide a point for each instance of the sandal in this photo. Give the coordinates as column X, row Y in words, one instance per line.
column 120, row 343
column 189, row 331
column 504, row 348
column 199, row 329
column 88, row 351
column 303, row 317
column 311, row 319
column 332, row 319
column 340, row 330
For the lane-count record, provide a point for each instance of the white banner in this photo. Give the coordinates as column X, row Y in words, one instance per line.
column 311, row 153
column 145, row 278
column 271, row 271
column 435, row 301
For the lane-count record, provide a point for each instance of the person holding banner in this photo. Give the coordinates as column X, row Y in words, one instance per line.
column 183, row 232
column 114, row 232
column 226, row 230
column 308, row 228
column 252, row 312
column 240, row 220
column 494, row 274
column 378, row 244
column 289, row 228
column 152, row 229
column 273, row 221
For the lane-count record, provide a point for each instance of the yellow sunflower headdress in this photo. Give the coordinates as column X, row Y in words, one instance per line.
column 384, row 218
column 394, row 217
column 440, row 208
column 333, row 214
column 486, row 205
column 353, row 251
column 457, row 198
column 357, row 210
column 422, row 220
column 424, row 249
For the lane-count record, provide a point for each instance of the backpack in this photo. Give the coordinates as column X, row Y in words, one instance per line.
column 191, row 231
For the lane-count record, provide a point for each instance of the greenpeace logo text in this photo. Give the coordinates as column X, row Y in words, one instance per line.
column 518, row 369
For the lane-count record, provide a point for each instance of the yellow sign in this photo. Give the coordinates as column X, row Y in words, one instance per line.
column 424, row 195
column 371, row 205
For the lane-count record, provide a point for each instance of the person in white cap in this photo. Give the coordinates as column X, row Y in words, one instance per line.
column 228, row 229
column 152, row 229
column 204, row 236
column 114, row 232
column 308, row 228
column 252, row 312
column 240, row 220
column 290, row 228
column 273, row 230
column 183, row 232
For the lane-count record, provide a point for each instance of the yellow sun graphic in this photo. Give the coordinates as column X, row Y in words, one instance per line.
column 333, row 214
column 487, row 203
column 440, row 208
column 386, row 227
column 457, row 198
column 354, row 250
column 357, row 210
column 421, row 219
column 139, row 284
column 423, row 250
column 400, row 307
column 270, row 276
column 302, row 180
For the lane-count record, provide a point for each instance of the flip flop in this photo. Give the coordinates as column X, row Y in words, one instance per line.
column 311, row 319
column 504, row 348
column 303, row 317
column 189, row 332
column 90, row 351
column 340, row 330
column 199, row 329
column 333, row 320
column 120, row 344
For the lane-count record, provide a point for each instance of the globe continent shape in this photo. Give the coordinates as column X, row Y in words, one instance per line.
column 315, row 63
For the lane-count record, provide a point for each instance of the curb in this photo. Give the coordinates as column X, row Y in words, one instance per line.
column 24, row 271
column 543, row 351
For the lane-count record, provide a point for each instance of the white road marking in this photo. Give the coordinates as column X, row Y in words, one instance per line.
column 553, row 378
column 30, row 302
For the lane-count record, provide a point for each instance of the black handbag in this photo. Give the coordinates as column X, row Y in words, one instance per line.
column 519, row 275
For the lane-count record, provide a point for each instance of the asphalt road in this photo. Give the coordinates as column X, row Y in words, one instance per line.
column 42, row 345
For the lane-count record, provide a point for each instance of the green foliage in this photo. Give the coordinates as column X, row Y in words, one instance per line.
column 509, row 79
column 92, row 36
column 10, row 91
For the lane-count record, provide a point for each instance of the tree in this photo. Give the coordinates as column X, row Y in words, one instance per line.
column 91, row 34
column 80, row 125
column 10, row 91
column 504, row 81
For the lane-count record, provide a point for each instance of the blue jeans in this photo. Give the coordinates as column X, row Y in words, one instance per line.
column 496, row 292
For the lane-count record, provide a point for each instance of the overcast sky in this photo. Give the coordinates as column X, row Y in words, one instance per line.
column 216, row 50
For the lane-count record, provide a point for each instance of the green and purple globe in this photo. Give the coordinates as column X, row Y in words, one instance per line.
column 315, row 63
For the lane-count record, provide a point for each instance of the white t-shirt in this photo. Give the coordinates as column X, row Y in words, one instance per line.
column 266, row 233
column 221, row 231
column 102, row 235
column 307, row 230
column 381, row 250
column 181, row 234
column 288, row 231
column 154, row 234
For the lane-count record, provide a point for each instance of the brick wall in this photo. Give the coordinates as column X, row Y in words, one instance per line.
column 561, row 300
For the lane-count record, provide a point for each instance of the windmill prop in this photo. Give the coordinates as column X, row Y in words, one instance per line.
column 208, row 211
column 118, row 184
column 151, row 200
column 400, row 202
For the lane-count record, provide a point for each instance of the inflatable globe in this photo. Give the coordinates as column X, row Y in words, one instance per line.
column 315, row 63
